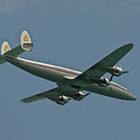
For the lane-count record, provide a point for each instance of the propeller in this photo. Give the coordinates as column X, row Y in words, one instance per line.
column 127, row 71
column 119, row 72
column 87, row 94
column 122, row 72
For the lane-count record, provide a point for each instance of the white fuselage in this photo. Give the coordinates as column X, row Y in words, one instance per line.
column 62, row 75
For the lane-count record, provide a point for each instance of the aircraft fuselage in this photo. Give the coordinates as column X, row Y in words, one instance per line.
column 58, row 74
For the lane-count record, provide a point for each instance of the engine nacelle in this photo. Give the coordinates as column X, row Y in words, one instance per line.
column 100, row 81
column 62, row 100
column 103, row 82
column 115, row 70
column 79, row 96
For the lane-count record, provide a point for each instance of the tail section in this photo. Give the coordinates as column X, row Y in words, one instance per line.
column 25, row 45
column 2, row 60
column 4, row 49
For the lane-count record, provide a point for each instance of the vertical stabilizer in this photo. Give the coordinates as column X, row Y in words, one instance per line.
column 5, row 47
column 25, row 41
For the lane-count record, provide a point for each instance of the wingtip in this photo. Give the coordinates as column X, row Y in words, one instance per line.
column 130, row 45
column 127, row 46
column 24, row 101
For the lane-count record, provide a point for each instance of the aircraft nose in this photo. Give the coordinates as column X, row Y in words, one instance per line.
column 131, row 96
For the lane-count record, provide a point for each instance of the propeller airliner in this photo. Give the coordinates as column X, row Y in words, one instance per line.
column 70, row 83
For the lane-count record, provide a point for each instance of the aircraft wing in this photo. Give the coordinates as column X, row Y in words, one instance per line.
column 110, row 60
column 56, row 95
column 34, row 97
column 53, row 93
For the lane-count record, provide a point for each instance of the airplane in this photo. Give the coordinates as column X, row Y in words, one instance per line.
column 71, row 84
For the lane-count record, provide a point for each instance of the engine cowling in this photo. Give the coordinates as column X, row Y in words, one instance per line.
column 79, row 96
column 115, row 70
column 104, row 82
column 62, row 100
column 118, row 71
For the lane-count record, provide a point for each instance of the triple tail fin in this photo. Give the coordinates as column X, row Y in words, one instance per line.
column 25, row 41
column 4, row 49
column 25, row 45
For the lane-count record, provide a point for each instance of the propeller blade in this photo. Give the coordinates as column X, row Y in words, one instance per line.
column 87, row 94
column 69, row 98
column 125, row 72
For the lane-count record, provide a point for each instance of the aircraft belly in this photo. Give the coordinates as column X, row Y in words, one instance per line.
column 99, row 89
column 109, row 90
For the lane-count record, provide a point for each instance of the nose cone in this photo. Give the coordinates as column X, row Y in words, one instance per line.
column 131, row 96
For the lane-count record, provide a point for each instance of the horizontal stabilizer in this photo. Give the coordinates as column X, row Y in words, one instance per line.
column 2, row 60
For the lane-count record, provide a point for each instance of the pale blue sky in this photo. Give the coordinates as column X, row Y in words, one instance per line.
column 74, row 34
